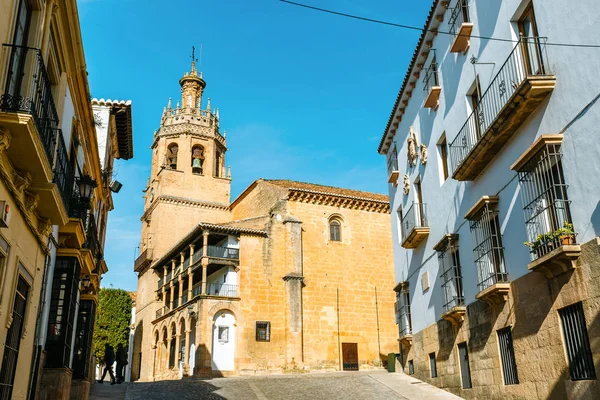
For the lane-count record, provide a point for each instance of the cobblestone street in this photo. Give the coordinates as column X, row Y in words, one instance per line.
column 330, row 386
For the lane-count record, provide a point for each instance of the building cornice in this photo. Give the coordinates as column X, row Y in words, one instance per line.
column 413, row 70
column 338, row 200
column 184, row 202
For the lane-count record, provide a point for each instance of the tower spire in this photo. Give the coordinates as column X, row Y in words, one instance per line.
column 192, row 86
column 194, row 59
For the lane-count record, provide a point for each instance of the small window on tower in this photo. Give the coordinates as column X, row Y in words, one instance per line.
column 335, row 230
column 197, row 159
column 172, row 151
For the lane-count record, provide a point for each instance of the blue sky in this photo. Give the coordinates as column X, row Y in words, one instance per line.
column 302, row 95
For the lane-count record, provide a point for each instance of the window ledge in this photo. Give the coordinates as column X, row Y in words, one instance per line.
column 406, row 339
column 415, row 237
column 557, row 262
column 393, row 178
column 456, row 315
column 495, row 294
column 535, row 148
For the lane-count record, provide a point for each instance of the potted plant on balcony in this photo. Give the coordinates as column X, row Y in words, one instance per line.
column 545, row 242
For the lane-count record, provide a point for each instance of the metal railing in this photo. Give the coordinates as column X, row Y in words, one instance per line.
column 78, row 208
column 431, row 77
column 63, row 174
column 403, row 311
column 458, row 16
column 197, row 289
column 392, row 163
column 28, row 90
column 488, row 252
column 415, row 217
column 91, row 239
column 545, row 202
column 222, row 289
column 169, row 275
column 526, row 59
column 223, row 252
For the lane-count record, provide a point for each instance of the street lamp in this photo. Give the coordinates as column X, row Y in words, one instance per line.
column 86, row 184
column 86, row 282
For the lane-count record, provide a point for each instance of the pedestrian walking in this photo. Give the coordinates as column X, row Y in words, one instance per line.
column 121, row 362
column 109, row 359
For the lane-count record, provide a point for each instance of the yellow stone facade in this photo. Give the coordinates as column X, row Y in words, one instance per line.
column 266, row 259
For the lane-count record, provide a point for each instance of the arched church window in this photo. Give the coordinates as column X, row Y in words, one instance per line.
column 197, row 159
column 335, row 230
column 172, row 151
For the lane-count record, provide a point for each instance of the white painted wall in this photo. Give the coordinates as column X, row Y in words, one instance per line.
column 576, row 86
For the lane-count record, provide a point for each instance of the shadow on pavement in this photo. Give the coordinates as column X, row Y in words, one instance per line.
column 162, row 390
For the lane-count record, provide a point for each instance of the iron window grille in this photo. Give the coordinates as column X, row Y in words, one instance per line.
column 263, row 331
column 507, row 356
column 488, row 252
column 403, row 311
column 411, row 367
column 65, row 288
column 431, row 78
column 433, row 365
column 392, row 163
column 458, row 16
column 83, row 339
column 449, row 262
column 13, row 339
column 577, row 342
column 545, row 201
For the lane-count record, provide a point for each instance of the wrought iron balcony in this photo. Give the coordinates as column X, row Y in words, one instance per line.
column 518, row 88
column 223, row 252
column 144, row 259
column 63, row 174
column 415, row 227
column 392, row 166
column 460, row 26
column 431, row 84
column 91, row 241
column 29, row 91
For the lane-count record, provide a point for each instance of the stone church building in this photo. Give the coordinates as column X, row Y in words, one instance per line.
column 289, row 276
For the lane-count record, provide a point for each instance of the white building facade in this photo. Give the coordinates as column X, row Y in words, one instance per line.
column 494, row 142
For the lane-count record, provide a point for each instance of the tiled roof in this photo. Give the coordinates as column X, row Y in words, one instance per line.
column 329, row 190
column 123, row 121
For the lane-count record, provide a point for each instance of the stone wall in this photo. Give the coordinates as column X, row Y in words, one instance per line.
column 532, row 311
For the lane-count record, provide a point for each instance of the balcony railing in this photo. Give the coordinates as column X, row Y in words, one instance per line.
column 223, row 252
column 392, row 166
column 414, row 226
column 91, row 239
column 222, row 289
column 184, row 297
column 196, row 290
column 518, row 88
column 460, row 26
column 27, row 65
column 77, row 208
column 143, row 259
column 431, row 83
column 161, row 311
column 63, row 174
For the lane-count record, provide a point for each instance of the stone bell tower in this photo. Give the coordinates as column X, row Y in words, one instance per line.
column 188, row 182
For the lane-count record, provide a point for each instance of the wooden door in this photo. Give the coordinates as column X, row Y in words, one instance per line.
column 350, row 356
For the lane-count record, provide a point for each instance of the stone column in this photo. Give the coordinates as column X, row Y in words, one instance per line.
column 168, row 352
column 177, row 349
column 153, row 362
column 164, row 287
column 190, row 275
column 204, row 259
column 171, row 285
column 186, row 361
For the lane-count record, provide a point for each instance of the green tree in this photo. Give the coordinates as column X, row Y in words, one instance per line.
column 112, row 320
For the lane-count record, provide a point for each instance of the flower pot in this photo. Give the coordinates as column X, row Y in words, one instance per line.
column 566, row 240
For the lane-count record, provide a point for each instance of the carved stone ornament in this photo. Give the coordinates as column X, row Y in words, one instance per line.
column 423, row 149
column 412, row 148
column 45, row 227
column 22, row 180
column 406, row 184
column 4, row 139
column 31, row 201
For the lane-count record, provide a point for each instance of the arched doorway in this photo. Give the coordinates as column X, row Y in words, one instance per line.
column 223, row 347
column 192, row 355
column 181, row 347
